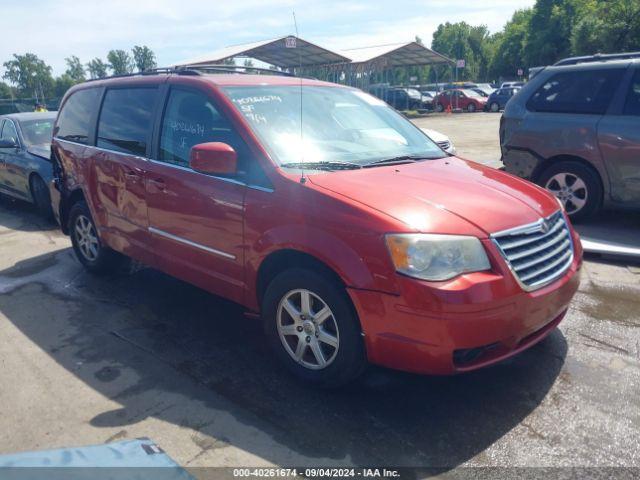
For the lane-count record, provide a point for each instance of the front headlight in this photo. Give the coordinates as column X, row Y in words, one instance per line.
column 436, row 257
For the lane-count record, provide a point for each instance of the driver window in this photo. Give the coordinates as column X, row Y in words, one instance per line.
column 191, row 118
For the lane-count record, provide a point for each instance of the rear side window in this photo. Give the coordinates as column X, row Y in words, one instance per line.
column 587, row 92
column 632, row 104
column 75, row 117
column 9, row 132
column 125, row 120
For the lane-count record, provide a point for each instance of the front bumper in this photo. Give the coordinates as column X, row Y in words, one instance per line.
column 470, row 322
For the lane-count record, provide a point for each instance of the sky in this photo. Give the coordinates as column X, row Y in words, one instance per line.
column 181, row 29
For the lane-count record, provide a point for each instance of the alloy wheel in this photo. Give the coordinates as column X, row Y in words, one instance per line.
column 86, row 238
column 307, row 329
column 570, row 189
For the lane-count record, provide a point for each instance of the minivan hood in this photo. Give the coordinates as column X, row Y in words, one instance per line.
column 448, row 195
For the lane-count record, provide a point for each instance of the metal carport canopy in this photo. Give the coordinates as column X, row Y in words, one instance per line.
column 396, row 55
column 274, row 52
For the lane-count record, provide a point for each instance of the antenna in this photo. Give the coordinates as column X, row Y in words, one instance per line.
column 303, row 179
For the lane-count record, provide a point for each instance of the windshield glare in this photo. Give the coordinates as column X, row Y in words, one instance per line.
column 36, row 132
column 338, row 125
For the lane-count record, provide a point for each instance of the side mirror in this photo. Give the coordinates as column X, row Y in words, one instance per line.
column 11, row 143
column 214, row 158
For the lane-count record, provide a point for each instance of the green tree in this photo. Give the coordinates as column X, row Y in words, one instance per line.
column 607, row 26
column 75, row 70
column 548, row 36
column 97, row 68
column 63, row 83
column 29, row 74
column 144, row 58
column 120, row 62
column 463, row 41
column 508, row 54
column 5, row 91
column 248, row 62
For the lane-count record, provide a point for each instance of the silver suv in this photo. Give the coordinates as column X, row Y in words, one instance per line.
column 575, row 130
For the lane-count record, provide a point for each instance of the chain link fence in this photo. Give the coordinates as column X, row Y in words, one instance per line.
column 16, row 105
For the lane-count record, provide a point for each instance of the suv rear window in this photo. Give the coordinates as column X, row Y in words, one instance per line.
column 579, row 91
column 125, row 120
column 75, row 116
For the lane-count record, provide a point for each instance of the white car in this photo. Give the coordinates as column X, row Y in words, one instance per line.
column 441, row 139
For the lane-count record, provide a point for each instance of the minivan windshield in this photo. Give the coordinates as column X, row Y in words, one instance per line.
column 319, row 124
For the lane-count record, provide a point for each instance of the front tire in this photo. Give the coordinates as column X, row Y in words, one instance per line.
column 495, row 107
column 440, row 108
column 577, row 186
column 41, row 197
column 471, row 108
column 89, row 250
column 312, row 328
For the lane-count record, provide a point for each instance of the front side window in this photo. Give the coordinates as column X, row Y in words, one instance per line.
column 328, row 124
column 37, row 132
column 191, row 118
column 632, row 104
column 587, row 92
column 75, row 117
column 9, row 132
column 125, row 120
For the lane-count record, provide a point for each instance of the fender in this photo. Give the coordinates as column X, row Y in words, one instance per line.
column 355, row 270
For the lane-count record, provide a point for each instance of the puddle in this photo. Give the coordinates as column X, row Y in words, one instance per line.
column 615, row 304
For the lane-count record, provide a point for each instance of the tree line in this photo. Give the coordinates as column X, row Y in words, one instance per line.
column 536, row 36
column 30, row 77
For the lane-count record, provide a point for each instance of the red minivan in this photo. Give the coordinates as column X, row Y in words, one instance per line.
column 319, row 208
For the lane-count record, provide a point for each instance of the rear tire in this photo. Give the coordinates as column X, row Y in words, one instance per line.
column 89, row 250
column 440, row 108
column 576, row 185
column 41, row 197
column 319, row 341
column 471, row 108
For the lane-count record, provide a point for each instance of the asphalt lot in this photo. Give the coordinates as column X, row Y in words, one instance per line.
column 87, row 360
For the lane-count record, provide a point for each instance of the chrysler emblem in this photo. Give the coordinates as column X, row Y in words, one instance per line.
column 544, row 226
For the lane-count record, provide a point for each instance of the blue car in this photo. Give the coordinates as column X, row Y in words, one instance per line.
column 25, row 150
column 498, row 99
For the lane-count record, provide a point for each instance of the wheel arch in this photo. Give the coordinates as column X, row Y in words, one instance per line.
column 280, row 260
column 547, row 163
column 65, row 207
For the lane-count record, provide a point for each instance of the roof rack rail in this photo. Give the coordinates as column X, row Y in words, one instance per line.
column 198, row 70
column 241, row 69
column 152, row 71
column 598, row 57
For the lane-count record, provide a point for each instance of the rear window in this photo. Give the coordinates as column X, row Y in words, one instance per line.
column 75, row 116
column 125, row 120
column 587, row 92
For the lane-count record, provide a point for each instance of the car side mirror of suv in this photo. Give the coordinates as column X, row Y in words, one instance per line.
column 8, row 144
column 213, row 158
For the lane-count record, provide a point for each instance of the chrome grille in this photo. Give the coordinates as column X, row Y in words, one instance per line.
column 537, row 253
column 444, row 145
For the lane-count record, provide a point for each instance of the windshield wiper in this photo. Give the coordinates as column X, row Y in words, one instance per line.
column 397, row 160
column 323, row 165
